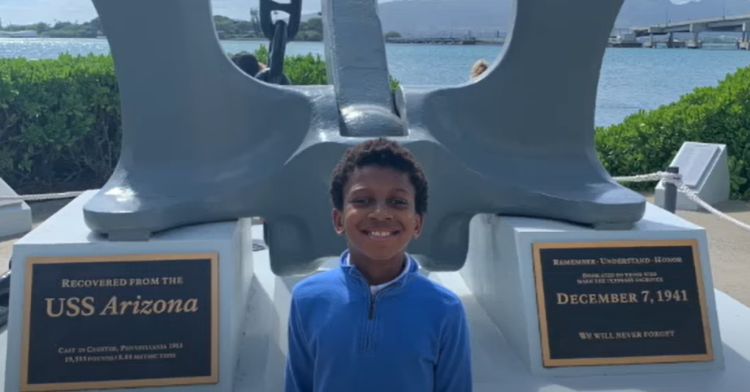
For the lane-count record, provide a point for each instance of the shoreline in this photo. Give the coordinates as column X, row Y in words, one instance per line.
column 415, row 41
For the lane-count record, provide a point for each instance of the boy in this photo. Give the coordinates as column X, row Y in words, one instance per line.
column 375, row 323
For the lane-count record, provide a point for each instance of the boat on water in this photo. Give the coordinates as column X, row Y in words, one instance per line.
column 627, row 40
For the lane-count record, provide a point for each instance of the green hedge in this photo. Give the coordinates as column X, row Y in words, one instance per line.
column 59, row 123
column 647, row 141
column 301, row 70
column 60, row 126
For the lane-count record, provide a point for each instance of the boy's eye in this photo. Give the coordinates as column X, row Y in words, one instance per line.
column 400, row 203
column 360, row 201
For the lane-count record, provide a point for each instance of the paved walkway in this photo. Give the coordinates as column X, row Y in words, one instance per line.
column 729, row 246
column 40, row 211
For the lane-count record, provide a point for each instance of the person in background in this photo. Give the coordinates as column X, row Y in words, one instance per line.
column 479, row 68
column 248, row 63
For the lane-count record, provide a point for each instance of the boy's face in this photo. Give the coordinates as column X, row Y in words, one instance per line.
column 378, row 217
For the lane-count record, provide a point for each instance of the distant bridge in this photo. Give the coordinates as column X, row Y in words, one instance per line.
column 434, row 40
column 738, row 24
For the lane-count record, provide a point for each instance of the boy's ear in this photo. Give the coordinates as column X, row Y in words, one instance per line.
column 338, row 221
column 418, row 226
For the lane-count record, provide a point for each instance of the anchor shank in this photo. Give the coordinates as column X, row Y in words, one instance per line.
column 357, row 67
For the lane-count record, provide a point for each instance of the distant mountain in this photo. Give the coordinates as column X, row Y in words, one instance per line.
column 487, row 17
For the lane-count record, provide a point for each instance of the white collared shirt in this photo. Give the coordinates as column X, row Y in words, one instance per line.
column 374, row 289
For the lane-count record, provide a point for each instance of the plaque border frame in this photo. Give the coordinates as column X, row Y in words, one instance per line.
column 549, row 362
column 213, row 378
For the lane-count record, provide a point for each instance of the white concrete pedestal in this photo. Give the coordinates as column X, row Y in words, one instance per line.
column 65, row 235
column 496, row 323
column 704, row 169
column 496, row 363
column 15, row 215
column 500, row 274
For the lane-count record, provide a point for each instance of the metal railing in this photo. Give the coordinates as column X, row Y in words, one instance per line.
column 672, row 185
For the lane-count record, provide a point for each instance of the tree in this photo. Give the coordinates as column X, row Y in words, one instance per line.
column 392, row 35
column 96, row 24
column 313, row 24
column 62, row 25
column 41, row 27
column 311, row 30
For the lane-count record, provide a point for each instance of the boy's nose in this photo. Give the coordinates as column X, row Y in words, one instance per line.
column 381, row 211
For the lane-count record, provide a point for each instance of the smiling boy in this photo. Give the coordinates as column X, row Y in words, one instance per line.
column 375, row 323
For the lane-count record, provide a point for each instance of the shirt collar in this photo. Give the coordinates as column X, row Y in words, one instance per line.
column 411, row 265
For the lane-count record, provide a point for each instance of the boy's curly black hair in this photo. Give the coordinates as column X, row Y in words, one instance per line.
column 383, row 153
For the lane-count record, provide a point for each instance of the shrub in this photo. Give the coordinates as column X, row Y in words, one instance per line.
column 301, row 70
column 647, row 141
column 60, row 126
column 392, row 35
column 59, row 122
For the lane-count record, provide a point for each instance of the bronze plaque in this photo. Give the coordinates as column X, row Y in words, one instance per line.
column 618, row 303
column 120, row 322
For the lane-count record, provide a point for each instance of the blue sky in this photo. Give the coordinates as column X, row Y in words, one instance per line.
column 32, row 11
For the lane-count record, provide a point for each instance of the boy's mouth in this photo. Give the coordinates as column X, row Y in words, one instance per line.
column 378, row 234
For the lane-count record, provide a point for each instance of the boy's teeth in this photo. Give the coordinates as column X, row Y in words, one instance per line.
column 380, row 233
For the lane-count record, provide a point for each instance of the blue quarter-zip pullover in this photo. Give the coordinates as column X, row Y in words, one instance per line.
column 411, row 336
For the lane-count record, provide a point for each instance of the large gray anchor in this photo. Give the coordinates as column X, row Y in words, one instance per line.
column 203, row 142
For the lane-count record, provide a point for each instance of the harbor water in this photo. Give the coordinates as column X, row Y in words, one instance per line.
column 631, row 79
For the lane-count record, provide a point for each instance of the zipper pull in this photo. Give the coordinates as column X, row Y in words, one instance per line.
column 372, row 308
